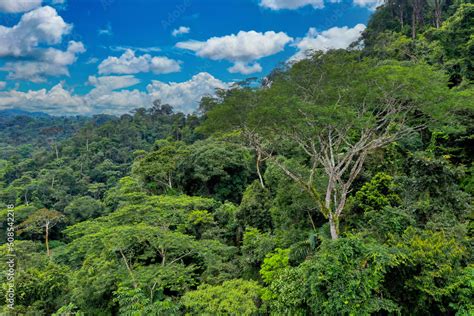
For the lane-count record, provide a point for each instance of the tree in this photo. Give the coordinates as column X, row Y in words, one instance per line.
column 453, row 45
column 157, row 169
column 255, row 247
column 83, row 208
column 377, row 193
column 428, row 276
column 142, row 251
column 234, row 297
column 40, row 220
column 344, row 278
column 41, row 285
column 254, row 210
column 437, row 7
column 216, row 168
column 323, row 105
column 274, row 264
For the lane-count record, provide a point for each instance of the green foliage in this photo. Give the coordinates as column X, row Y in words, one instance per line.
column 274, row 264
column 133, row 302
column 234, row 297
column 69, row 309
column 41, row 285
column 254, row 210
column 157, row 169
column 430, row 274
column 216, row 169
column 198, row 220
column 148, row 244
column 377, row 193
column 83, row 208
column 453, row 44
column 255, row 247
column 286, row 295
column 346, row 277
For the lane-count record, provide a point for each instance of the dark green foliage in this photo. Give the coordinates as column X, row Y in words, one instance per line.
column 215, row 168
column 255, row 246
column 254, row 210
column 83, row 208
column 453, row 44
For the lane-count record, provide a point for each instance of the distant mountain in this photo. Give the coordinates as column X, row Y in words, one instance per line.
column 19, row 112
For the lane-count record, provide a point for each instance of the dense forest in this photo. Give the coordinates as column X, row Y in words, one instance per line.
column 340, row 184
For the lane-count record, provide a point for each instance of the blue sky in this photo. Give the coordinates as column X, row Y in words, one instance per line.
column 110, row 56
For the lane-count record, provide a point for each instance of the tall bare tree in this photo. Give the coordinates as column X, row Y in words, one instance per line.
column 41, row 221
column 337, row 109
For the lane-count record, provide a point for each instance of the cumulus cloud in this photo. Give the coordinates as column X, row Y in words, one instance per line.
column 44, row 62
column 185, row 96
column 42, row 25
column 17, row 6
column 371, row 4
column 291, row 4
column 56, row 100
column 3, row 84
column 128, row 63
column 24, row 43
column 110, row 96
column 109, row 83
column 105, row 99
column 333, row 38
column 245, row 69
column 181, row 30
column 120, row 102
column 242, row 48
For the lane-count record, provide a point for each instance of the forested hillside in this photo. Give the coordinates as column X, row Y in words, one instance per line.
column 340, row 185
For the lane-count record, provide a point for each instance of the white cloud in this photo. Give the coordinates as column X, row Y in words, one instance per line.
column 185, row 96
column 109, row 96
column 92, row 60
column 56, row 100
column 119, row 102
column 371, row 4
column 17, row 6
column 3, row 84
column 42, row 25
column 150, row 49
column 103, row 98
column 291, row 4
column 109, row 83
column 333, row 38
column 181, row 30
column 26, row 40
column 59, row 101
column 245, row 46
column 245, row 69
column 45, row 62
column 241, row 49
column 128, row 63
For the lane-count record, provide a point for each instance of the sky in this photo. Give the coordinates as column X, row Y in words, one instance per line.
column 85, row 57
